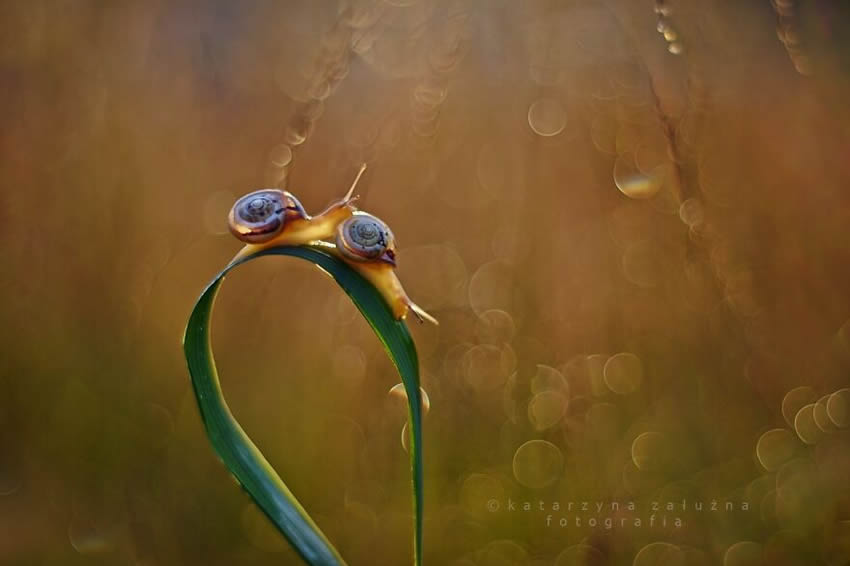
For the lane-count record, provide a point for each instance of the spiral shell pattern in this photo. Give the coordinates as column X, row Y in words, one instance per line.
column 364, row 237
column 258, row 216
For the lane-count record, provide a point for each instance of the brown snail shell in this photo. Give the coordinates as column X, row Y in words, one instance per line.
column 261, row 215
column 364, row 237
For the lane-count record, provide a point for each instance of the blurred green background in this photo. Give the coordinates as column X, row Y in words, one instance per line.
column 631, row 219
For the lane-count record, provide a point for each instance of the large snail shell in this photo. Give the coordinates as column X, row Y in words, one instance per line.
column 259, row 216
column 364, row 237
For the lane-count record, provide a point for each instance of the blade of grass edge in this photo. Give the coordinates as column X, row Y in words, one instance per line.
column 244, row 459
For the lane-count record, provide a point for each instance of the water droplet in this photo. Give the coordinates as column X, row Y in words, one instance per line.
column 623, row 373
column 405, row 438
column 775, row 447
column 547, row 117
column 632, row 182
column 398, row 391
column 537, row 464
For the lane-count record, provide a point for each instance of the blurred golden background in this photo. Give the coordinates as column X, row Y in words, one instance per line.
column 631, row 218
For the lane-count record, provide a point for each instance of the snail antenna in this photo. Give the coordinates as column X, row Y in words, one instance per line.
column 354, row 184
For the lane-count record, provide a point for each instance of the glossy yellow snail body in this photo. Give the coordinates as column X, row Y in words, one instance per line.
column 271, row 217
column 367, row 244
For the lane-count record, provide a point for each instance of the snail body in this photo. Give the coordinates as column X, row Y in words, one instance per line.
column 367, row 244
column 271, row 217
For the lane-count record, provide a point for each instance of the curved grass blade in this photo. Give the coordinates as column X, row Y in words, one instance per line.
column 244, row 459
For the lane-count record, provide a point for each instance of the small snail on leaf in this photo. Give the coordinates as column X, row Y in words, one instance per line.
column 366, row 243
column 270, row 217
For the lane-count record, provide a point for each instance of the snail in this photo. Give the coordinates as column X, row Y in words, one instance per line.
column 270, row 217
column 367, row 244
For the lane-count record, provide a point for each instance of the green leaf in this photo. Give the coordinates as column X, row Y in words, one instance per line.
column 244, row 459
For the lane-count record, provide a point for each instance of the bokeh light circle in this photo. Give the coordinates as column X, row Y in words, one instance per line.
column 775, row 447
column 623, row 373
column 659, row 554
column 537, row 464
column 547, row 117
